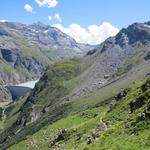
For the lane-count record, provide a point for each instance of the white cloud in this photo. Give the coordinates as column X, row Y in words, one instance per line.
column 47, row 3
column 28, row 8
column 94, row 34
column 49, row 18
column 3, row 20
column 57, row 17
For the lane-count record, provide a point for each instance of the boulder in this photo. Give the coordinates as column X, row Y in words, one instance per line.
column 122, row 94
column 112, row 106
column 145, row 114
column 139, row 102
column 145, row 86
column 147, row 111
column 60, row 136
column 89, row 140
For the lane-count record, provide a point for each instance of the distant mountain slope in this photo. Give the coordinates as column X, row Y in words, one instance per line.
column 73, row 86
column 32, row 47
column 128, row 42
column 117, row 55
column 27, row 50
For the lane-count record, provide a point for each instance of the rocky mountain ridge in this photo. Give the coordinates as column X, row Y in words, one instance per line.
column 127, row 49
column 27, row 50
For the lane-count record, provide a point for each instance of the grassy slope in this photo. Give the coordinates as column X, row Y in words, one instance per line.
column 135, row 59
column 48, row 93
column 11, row 112
column 56, row 83
column 65, row 69
column 116, row 129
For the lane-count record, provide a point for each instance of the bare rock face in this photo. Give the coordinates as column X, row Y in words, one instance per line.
column 4, row 93
column 16, row 60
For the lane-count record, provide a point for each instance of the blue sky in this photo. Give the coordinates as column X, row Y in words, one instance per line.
column 119, row 13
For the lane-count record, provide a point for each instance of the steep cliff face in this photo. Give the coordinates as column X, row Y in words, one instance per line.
column 13, row 63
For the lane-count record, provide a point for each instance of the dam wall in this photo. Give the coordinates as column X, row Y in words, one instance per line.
column 18, row 91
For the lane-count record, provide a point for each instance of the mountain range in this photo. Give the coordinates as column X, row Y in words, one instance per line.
column 27, row 50
column 97, row 101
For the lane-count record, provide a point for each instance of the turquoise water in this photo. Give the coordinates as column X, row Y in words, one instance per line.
column 30, row 84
